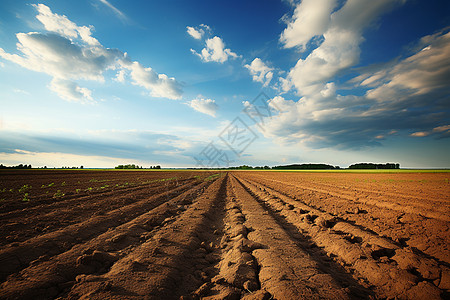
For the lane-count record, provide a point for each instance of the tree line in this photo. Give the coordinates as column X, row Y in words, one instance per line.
column 133, row 166
column 21, row 166
column 375, row 166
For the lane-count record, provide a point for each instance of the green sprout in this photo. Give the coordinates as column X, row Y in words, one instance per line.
column 58, row 194
column 25, row 188
column 25, row 198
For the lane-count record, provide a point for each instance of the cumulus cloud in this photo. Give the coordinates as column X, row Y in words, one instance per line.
column 341, row 32
column 68, row 53
column 311, row 18
column 410, row 95
column 215, row 51
column 260, row 71
column 195, row 33
column 159, row 85
column 206, row 106
column 199, row 31
column 62, row 25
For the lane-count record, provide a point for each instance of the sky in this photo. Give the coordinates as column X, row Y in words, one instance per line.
column 179, row 83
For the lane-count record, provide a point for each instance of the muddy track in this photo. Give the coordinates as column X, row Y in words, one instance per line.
column 237, row 235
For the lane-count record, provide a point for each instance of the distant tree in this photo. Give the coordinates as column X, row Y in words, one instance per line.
column 158, row 167
column 374, row 166
column 304, row 167
column 81, row 167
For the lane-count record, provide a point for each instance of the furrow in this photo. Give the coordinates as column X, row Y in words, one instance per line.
column 48, row 278
column 30, row 223
column 169, row 264
column 286, row 270
column 18, row 256
column 385, row 265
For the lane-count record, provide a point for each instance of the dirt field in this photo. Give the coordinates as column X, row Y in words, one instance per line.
column 223, row 235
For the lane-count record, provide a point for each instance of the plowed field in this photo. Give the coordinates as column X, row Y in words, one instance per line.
column 223, row 235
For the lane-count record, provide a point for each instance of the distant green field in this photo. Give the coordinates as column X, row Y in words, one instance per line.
column 379, row 171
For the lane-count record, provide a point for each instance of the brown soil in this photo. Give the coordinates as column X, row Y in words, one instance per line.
column 234, row 235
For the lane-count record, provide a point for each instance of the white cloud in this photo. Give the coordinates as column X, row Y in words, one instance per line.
column 311, row 18
column 70, row 53
column 199, row 31
column 215, row 51
column 441, row 128
column 341, row 32
column 409, row 95
column 62, row 25
column 420, row 134
column 120, row 76
column 57, row 159
column 70, row 91
column 424, row 72
column 159, row 85
column 195, row 33
column 260, row 71
column 119, row 14
column 206, row 106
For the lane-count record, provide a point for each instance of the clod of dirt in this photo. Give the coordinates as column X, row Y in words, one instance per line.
column 238, row 230
column 258, row 295
column 378, row 252
column 424, row 290
column 97, row 257
column 445, row 279
column 238, row 267
column 310, row 218
column 203, row 289
column 325, row 223
column 247, row 245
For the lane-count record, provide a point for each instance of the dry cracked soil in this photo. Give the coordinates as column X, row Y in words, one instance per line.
column 223, row 235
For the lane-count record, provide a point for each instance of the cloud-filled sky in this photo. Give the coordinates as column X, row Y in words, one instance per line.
column 216, row 83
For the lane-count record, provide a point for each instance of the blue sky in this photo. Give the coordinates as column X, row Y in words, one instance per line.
column 216, row 83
